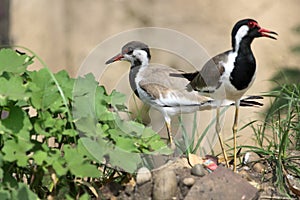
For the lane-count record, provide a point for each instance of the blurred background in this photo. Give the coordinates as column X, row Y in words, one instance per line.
column 63, row 33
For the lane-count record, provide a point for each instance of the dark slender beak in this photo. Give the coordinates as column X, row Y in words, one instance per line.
column 266, row 33
column 115, row 58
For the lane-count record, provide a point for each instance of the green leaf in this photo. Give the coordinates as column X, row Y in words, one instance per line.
column 95, row 149
column 4, row 194
column 40, row 157
column 70, row 132
column 116, row 98
column 25, row 193
column 17, row 122
column 57, row 161
column 78, row 165
column 13, row 89
column 124, row 160
column 84, row 197
column 11, row 61
column 45, row 94
column 17, row 151
column 124, row 143
column 84, row 97
column 66, row 83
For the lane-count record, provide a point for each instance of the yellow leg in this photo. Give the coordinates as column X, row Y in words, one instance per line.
column 168, row 125
column 234, row 130
column 169, row 132
column 218, row 130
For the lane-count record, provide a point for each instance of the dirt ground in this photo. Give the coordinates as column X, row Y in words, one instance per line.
column 65, row 33
column 178, row 180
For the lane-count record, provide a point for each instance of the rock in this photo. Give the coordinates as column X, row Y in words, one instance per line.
column 251, row 157
column 194, row 159
column 244, row 174
column 188, row 181
column 198, row 170
column 129, row 189
column 143, row 175
column 143, row 191
column 165, row 185
column 222, row 184
column 258, row 167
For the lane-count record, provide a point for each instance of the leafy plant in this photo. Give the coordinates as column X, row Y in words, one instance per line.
column 62, row 137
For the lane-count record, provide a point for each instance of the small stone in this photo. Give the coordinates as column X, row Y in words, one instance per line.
column 244, row 174
column 165, row 185
column 129, row 189
column 188, row 181
column 194, row 159
column 143, row 175
column 251, row 157
column 258, row 167
column 198, row 170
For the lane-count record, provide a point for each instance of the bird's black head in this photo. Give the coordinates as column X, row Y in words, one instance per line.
column 133, row 51
column 247, row 30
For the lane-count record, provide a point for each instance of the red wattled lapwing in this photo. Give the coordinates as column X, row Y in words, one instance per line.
column 154, row 86
column 230, row 74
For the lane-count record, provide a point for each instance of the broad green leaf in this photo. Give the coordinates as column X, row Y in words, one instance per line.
column 17, row 123
column 84, row 197
column 60, row 168
column 17, row 151
column 116, row 98
column 1, row 173
column 78, row 165
column 66, row 83
column 70, row 132
column 84, row 97
column 95, row 149
column 89, row 126
column 11, row 61
column 4, row 194
column 13, row 89
column 46, row 94
column 40, row 157
column 124, row 143
column 124, row 160
column 25, row 193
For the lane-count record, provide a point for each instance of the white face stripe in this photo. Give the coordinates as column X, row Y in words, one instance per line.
column 243, row 30
column 141, row 55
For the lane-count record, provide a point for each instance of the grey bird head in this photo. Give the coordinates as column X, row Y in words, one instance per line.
column 132, row 52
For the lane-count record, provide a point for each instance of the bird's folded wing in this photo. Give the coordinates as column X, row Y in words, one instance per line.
column 164, row 96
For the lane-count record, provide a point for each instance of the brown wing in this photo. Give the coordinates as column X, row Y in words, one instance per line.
column 158, row 83
column 208, row 79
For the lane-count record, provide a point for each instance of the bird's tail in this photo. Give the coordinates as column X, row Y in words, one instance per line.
column 246, row 101
column 250, row 101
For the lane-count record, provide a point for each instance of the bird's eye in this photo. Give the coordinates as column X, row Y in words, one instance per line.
column 129, row 50
column 252, row 24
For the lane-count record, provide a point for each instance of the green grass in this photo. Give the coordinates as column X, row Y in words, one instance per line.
column 278, row 134
column 190, row 143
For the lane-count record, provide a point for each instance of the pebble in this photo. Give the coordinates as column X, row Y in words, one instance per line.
column 165, row 185
column 198, row 170
column 250, row 157
column 143, row 175
column 245, row 175
column 258, row 167
column 188, row 181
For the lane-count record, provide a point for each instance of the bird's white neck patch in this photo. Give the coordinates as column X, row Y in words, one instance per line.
column 142, row 56
column 243, row 30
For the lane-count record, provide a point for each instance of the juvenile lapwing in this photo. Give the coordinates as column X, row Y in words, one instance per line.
column 230, row 74
column 169, row 95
